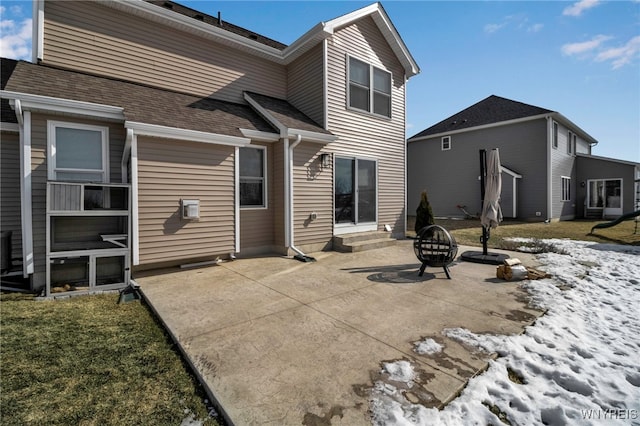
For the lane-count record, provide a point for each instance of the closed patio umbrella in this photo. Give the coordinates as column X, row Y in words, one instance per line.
column 491, row 213
column 490, row 188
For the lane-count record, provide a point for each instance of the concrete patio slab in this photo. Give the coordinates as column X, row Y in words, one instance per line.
column 277, row 341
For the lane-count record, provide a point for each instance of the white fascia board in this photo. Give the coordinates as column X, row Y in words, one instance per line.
column 510, row 172
column 308, row 136
column 347, row 19
column 158, row 131
column 387, row 29
column 397, row 44
column 9, row 127
column 31, row 102
column 484, row 126
column 159, row 14
column 613, row 160
column 266, row 114
column 260, row 136
column 309, row 39
column 574, row 128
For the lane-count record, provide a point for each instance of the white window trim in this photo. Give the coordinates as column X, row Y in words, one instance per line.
column 264, row 180
column 51, row 147
column 442, row 142
column 566, row 190
column 371, row 89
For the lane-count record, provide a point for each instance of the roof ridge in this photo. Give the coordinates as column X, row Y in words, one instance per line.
column 217, row 22
column 490, row 110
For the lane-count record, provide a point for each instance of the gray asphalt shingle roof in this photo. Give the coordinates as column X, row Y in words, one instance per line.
column 141, row 103
column 286, row 114
column 493, row 109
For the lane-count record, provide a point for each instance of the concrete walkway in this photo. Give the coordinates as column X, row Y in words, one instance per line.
column 280, row 342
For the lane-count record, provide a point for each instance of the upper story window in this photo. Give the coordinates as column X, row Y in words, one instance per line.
column 555, row 134
column 253, row 167
column 446, row 143
column 77, row 152
column 571, row 143
column 369, row 88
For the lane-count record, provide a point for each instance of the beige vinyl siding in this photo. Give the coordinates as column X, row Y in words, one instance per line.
column 306, row 85
column 39, row 178
column 10, row 219
column 90, row 37
column 313, row 192
column 256, row 225
column 169, row 171
column 365, row 135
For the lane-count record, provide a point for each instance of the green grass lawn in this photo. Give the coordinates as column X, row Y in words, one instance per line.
column 468, row 232
column 91, row 361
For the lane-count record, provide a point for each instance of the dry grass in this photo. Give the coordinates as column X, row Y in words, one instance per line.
column 90, row 361
column 468, row 232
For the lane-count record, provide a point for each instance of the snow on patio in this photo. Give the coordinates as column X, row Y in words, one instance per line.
column 577, row 364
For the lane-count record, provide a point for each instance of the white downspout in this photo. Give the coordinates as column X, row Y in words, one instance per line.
column 125, row 156
column 289, row 194
column 24, row 123
column 550, row 136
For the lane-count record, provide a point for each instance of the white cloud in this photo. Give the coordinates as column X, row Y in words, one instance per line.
column 620, row 56
column 584, row 46
column 596, row 50
column 15, row 42
column 577, row 8
column 492, row 28
column 535, row 28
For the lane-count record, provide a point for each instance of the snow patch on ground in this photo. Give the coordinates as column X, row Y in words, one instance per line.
column 578, row 364
column 428, row 347
column 399, row 371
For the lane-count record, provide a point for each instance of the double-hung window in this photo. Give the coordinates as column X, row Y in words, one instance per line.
column 555, row 135
column 566, row 188
column 369, row 88
column 78, row 152
column 446, row 143
column 253, row 188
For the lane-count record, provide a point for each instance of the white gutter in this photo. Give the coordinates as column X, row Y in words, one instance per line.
column 24, row 123
column 67, row 106
column 155, row 130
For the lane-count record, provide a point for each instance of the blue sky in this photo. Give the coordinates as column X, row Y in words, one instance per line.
column 581, row 58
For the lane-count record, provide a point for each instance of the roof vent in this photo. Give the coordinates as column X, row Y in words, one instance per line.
column 199, row 17
column 253, row 36
column 168, row 5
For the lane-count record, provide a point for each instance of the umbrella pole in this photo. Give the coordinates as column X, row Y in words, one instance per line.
column 483, row 172
column 484, row 256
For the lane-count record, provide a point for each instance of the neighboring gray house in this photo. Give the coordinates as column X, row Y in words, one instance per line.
column 548, row 169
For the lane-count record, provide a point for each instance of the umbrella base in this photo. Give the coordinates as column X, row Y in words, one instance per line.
column 480, row 257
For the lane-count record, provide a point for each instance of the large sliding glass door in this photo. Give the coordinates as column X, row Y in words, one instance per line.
column 355, row 192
